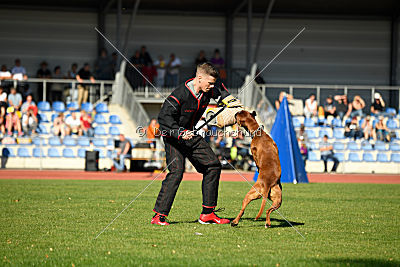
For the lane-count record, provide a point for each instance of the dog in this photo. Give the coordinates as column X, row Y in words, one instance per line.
column 265, row 154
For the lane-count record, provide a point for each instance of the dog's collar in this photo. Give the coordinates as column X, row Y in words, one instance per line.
column 259, row 129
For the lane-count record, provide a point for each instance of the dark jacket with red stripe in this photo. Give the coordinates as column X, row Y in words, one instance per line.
column 182, row 110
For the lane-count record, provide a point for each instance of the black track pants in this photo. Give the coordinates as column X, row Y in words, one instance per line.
column 200, row 154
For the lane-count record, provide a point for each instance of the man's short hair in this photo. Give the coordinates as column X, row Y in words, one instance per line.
column 208, row 69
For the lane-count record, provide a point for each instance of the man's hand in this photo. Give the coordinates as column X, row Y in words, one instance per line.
column 231, row 102
column 187, row 135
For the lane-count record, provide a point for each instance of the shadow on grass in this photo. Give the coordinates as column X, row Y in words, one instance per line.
column 282, row 223
column 357, row 262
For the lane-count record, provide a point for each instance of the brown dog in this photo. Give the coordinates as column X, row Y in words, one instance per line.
column 265, row 154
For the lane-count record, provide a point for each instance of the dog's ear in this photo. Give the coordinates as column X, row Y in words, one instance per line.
column 254, row 114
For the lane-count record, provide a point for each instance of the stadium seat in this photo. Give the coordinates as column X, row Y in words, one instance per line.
column 338, row 133
column 81, row 153
column 353, row 146
column 99, row 119
column 83, row 141
column 113, row 130
column 110, row 142
column 340, row 156
column 324, row 132
column 44, row 106
column 380, row 146
column 322, row 121
column 366, row 146
column 39, row 141
column 391, row 111
column 312, row 156
column 338, row 146
column 68, row 153
column 395, row 157
column 296, row 122
column 308, row 122
column 101, row 153
column 88, row 107
column 73, row 106
column 394, row 146
column 58, row 106
column 98, row 142
column 53, row 116
column 54, row 141
column 313, row 146
column 354, row 157
column 42, row 118
column 23, row 152
column 38, row 152
column 391, row 124
column 337, row 123
column 382, row 157
column 368, row 157
column 53, row 152
column 42, row 129
column 114, row 119
column 101, row 108
column 310, row 134
column 69, row 141
column 7, row 152
column 99, row 130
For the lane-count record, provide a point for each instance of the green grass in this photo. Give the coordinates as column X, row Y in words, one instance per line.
column 55, row 222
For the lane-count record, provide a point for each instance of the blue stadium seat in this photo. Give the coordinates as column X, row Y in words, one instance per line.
column 113, row 130
column 338, row 146
column 395, row 157
column 101, row 153
column 54, row 141
column 337, row 123
column 394, row 146
column 312, row 156
column 39, row 141
column 114, row 119
column 42, row 118
column 42, row 129
column 354, row 157
column 391, row 111
column 7, row 152
column 82, row 141
column 391, row 124
column 313, row 146
column 366, row 146
column 101, row 108
column 308, row 122
column 99, row 130
column 53, row 116
column 99, row 142
column 296, row 122
column 38, row 152
column 322, row 121
column 88, row 107
column 73, row 106
column 310, row 134
column 110, row 142
column 340, row 156
column 23, row 152
column 81, row 153
column 109, row 154
column 353, row 146
column 68, row 153
column 382, row 157
column 44, row 106
column 368, row 157
column 324, row 132
column 58, row 106
column 69, row 141
column 99, row 119
column 380, row 146
column 338, row 133
column 53, row 152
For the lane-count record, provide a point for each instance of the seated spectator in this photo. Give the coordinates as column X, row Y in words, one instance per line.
column 153, row 132
column 343, row 108
column 357, row 106
column 28, row 103
column 4, row 73
column 147, row 69
column 30, row 121
column 201, row 58
column 104, row 66
column 302, row 139
column 329, row 107
column 44, row 71
column 18, row 72
column 14, row 99
column 133, row 76
column 13, row 122
column 219, row 63
column 310, row 109
column 368, row 129
column 3, row 102
column 327, row 153
column 160, row 67
column 282, row 94
column 352, row 130
column 86, row 124
column 378, row 106
column 73, row 124
column 83, row 88
column 123, row 151
column 59, row 125
column 382, row 132
column 73, row 71
column 71, row 74
column 173, row 67
column 57, row 89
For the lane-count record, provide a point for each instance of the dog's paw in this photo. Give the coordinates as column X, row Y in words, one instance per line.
column 234, row 224
column 267, row 226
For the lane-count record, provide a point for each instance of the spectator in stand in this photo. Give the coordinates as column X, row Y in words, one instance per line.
column 123, row 151
column 378, row 106
column 160, row 67
column 28, row 103
column 133, row 75
column 30, row 121
column 86, row 124
column 219, row 63
column 14, row 99
column 352, row 129
column 59, row 125
column 282, row 94
column 326, row 149
column 71, row 74
column 148, row 68
column 382, row 132
column 357, row 106
column 311, row 106
column 43, row 73
column 173, row 67
column 342, row 106
column 201, row 58
column 5, row 74
column 104, row 66
column 13, row 122
column 18, row 72
column 83, row 88
column 329, row 107
column 368, row 129
column 73, row 124
column 3, row 107
column 57, row 89
column 302, row 139
column 153, row 132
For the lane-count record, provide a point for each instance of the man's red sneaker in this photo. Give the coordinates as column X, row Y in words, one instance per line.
column 159, row 219
column 212, row 218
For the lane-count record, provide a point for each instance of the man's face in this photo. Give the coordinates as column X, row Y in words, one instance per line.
column 29, row 98
column 17, row 63
column 325, row 139
column 13, row 91
column 206, row 82
column 87, row 68
column 122, row 138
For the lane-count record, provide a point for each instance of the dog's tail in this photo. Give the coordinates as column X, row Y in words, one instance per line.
column 264, row 201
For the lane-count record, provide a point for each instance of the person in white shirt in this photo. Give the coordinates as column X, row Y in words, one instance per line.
column 173, row 66
column 160, row 65
column 310, row 109
column 18, row 72
column 73, row 125
column 29, row 122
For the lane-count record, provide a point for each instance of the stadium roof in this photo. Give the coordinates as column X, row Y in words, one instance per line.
column 285, row 8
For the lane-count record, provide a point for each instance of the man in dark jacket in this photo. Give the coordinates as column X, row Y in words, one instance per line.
column 179, row 114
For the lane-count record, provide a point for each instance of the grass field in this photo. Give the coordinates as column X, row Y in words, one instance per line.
column 55, row 222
